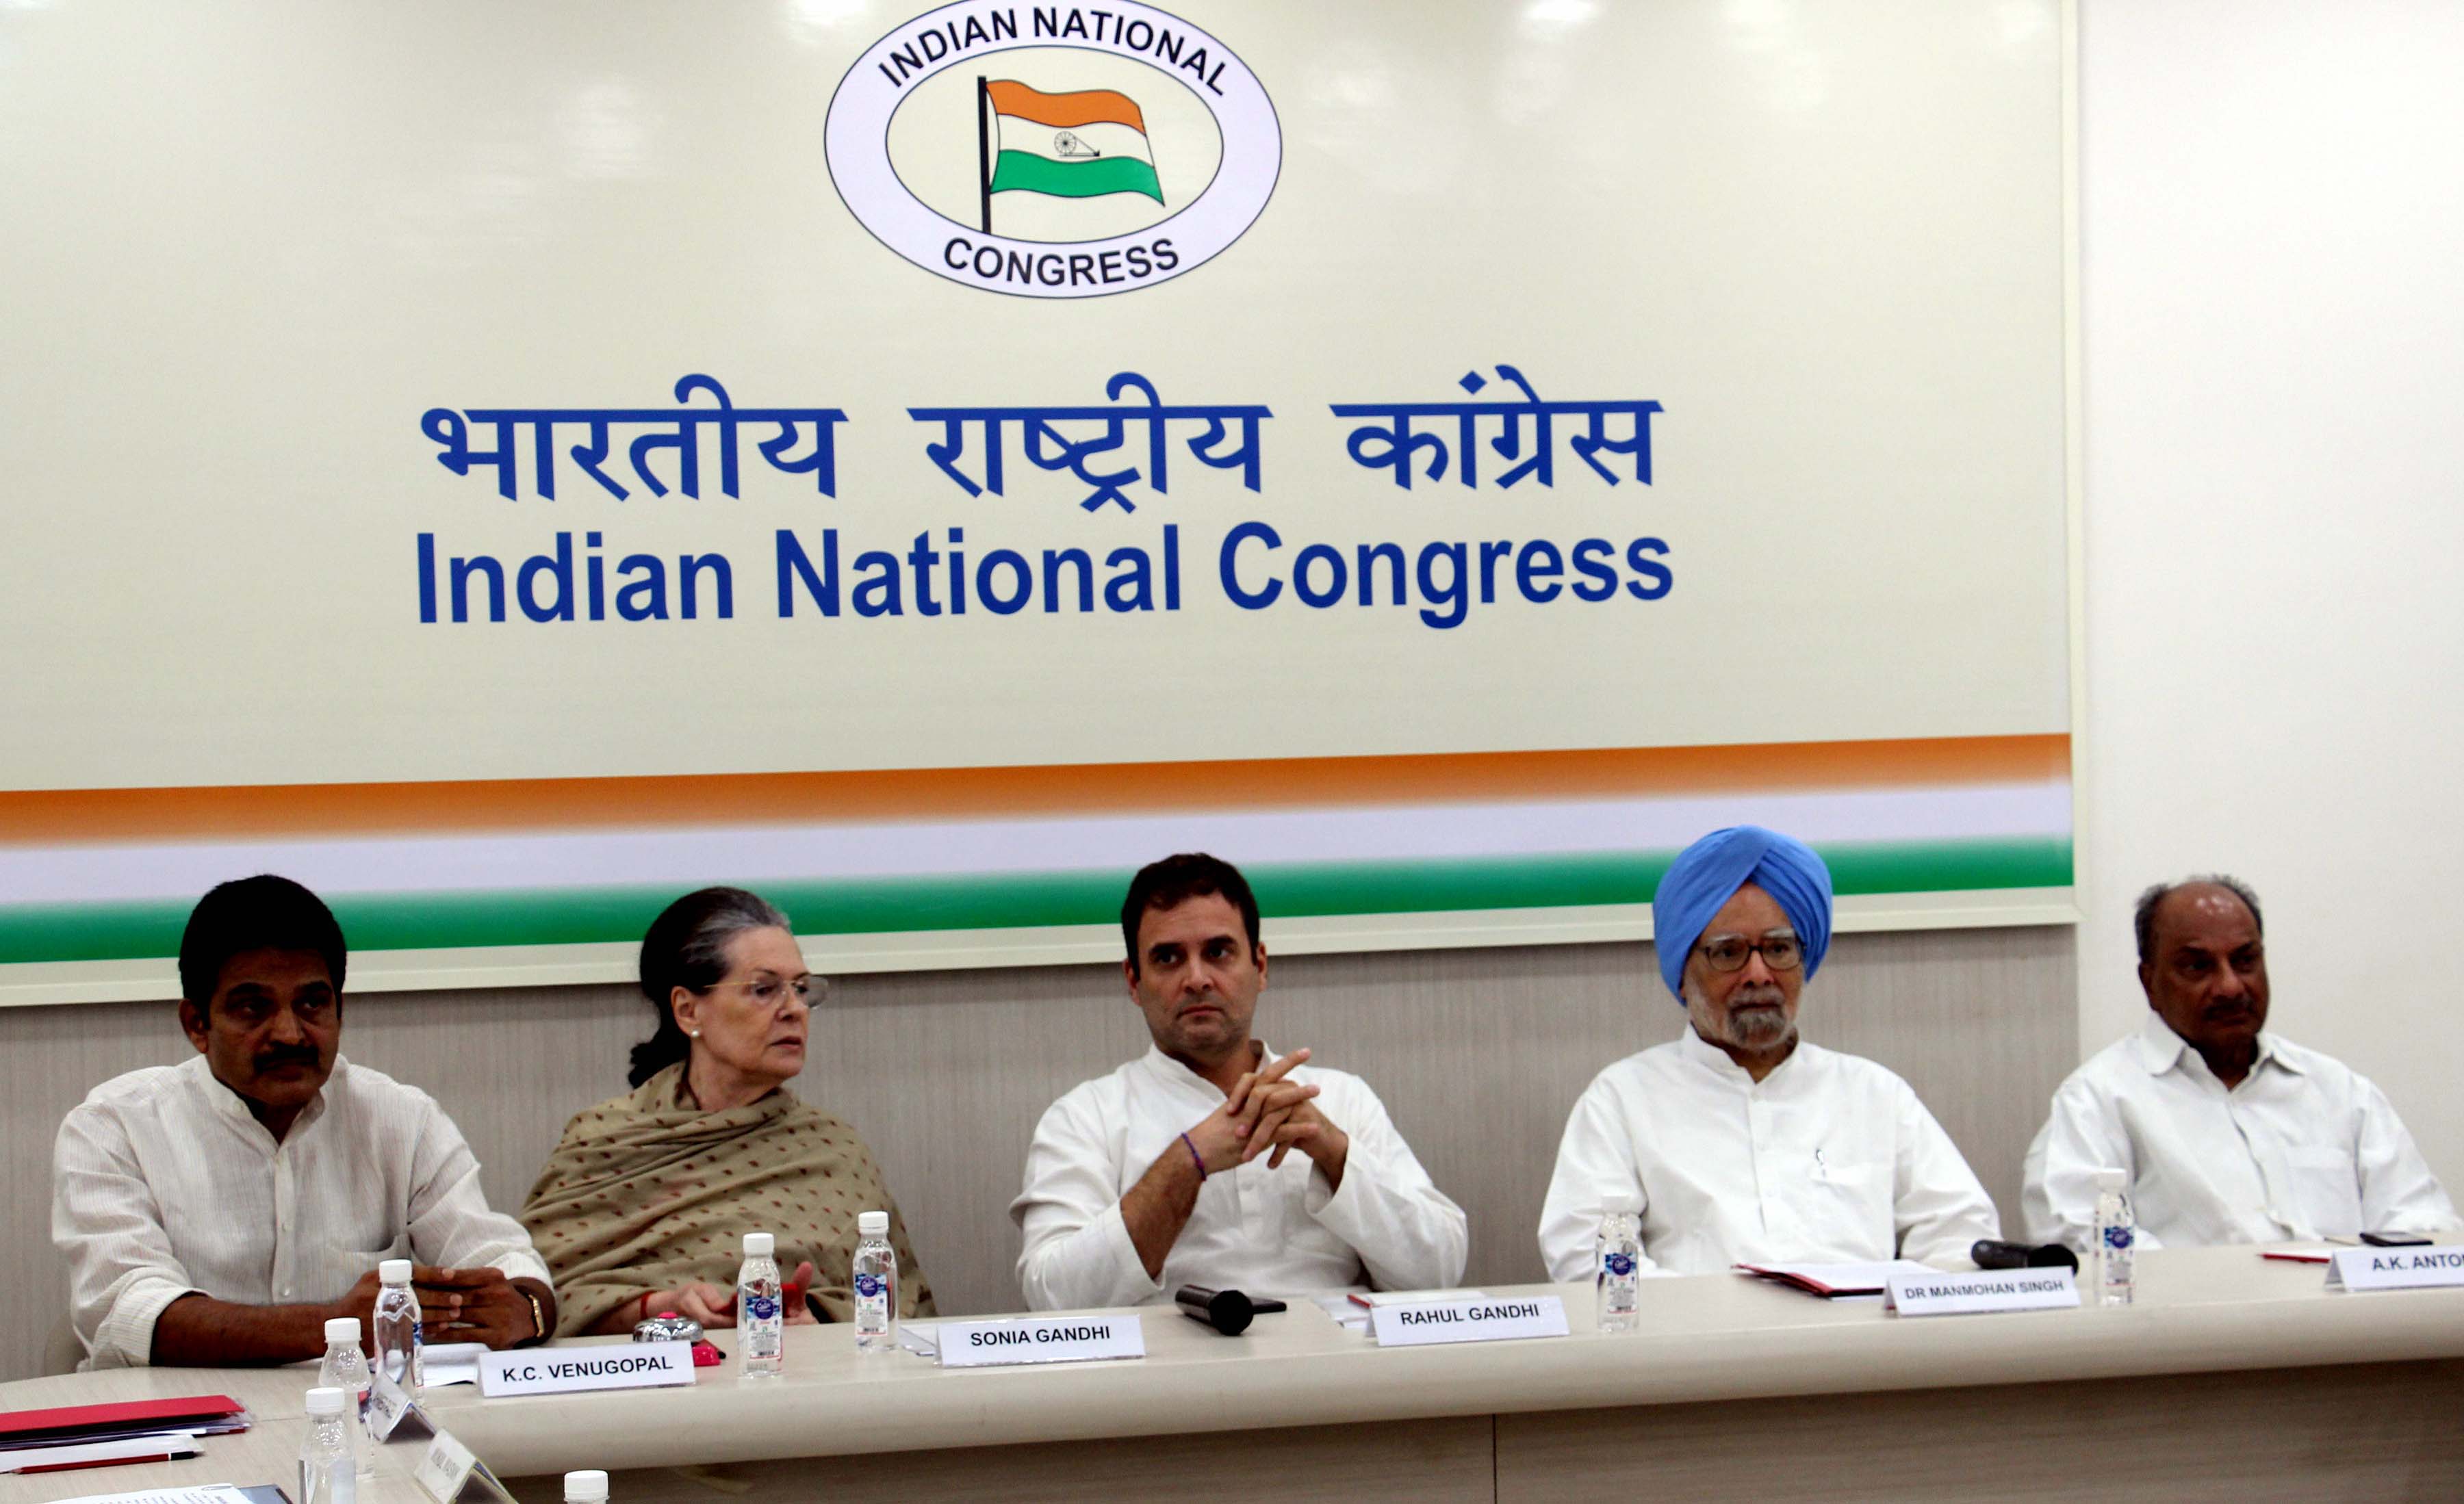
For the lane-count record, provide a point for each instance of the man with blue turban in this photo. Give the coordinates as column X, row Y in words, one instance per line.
column 1744, row 1144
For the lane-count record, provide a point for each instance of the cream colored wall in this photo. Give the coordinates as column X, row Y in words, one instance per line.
column 1478, row 1054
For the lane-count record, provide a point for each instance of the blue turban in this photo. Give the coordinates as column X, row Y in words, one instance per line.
column 1706, row 874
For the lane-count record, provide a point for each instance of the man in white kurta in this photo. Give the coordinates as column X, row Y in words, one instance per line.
column 220, row 1210
column 1209, row 1160
column 1745, row 1143
column 2231, row 1134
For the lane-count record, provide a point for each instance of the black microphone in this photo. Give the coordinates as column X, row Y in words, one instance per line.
column 1227, row 1311
column 1993, row 1253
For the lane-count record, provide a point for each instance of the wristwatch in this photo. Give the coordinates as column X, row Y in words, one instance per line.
column 538, row 1318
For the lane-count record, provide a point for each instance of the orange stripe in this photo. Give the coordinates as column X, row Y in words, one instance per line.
column 1085, row 107
column 364, row 809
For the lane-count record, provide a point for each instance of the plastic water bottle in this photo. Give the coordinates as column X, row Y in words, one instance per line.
column 328, row 1472
column 397, row 1327
column 1621, row 1261
column 347, row 1368
column 2114, row 1235
column 760, row 1325
column 876, row 1284
column 586, row 1488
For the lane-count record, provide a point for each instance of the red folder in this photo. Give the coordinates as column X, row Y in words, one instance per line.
column 25, row 1427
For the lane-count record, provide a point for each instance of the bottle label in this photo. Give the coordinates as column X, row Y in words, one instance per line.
column 761, row 1308
column 1620, row 1264
column 867, row 1287
column 2117, row 1238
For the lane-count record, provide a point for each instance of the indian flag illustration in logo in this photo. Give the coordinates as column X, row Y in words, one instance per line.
column 1075, row 145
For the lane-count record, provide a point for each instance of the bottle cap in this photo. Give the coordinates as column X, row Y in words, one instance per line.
column 325, row 1402
column 586, row 1488
column 343, row 1329
column 873, row 1224
column 2113, row 1180
column 759, row 1244
column 394, row 1272
column 1625, row 1202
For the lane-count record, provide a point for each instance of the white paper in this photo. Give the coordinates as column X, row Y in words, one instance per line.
column 451, row 1362
column 1986, row 1290
column 120, row 1448
column 1041, row 1340
column 2396, row 1268
column 1476, row 1321
column 1373, row 1298
column 192, row 1494
column 1865, row 1276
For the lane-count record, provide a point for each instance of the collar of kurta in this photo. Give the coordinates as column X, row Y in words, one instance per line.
column 232, row 1107
column 1172, row 1072
column 2161, row 1050
column 1712, row 1057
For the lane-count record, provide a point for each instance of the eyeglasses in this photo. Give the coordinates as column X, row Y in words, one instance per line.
column 769, row 991
column 1729, row 953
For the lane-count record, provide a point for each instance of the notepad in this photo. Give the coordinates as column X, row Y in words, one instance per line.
column 1838, row 1281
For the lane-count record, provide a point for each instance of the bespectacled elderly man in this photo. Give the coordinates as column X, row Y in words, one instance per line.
column 1745, row 1143
column 2231, row 1134
column 219, row 1211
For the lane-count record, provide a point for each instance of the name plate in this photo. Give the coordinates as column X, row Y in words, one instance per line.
column 391, row 1411
column 1487, row 1319
column 2396, row 1268
column 564, row 1370
column 1986, row 1290
column 1041, row 1340
column 448, row 1473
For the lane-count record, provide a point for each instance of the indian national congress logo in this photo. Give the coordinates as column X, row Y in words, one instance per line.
column 1053, row 151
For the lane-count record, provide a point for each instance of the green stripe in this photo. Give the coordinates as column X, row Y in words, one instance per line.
column 1084, row 179
column 150, row 928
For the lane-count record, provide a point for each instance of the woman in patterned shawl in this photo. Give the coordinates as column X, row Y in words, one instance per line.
column 644, row 1204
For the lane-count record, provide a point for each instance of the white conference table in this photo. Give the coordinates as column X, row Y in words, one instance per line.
column 2232, row 1377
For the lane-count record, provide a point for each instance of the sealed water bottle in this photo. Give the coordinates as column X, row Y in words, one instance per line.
column 1620, row 1271
column 347, row 1368
column 761, row 1324
column 328, row 1472
column 397, row 1326
column 876, row 1284
column 589, row 1487
column 2114, row 1235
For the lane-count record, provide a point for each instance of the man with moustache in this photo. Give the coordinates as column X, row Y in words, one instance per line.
column 220, row 1210
column 2231, row 1134
column 1210, row 1160
column 1745, row 1143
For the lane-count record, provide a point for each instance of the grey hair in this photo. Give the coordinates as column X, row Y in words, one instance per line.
column 2143, row 918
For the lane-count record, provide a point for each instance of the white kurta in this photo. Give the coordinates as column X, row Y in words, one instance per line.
column 162, row 1184
column 1828, row 1159
column 1279, row 1231
column 2303, row 1148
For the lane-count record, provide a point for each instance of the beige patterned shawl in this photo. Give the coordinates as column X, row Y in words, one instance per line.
column 648, row 1192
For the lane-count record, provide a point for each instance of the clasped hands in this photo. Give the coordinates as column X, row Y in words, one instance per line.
column 1266, row 1113
column 455, row 1305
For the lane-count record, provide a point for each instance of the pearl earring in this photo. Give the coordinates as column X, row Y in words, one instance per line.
column 696, row 1034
